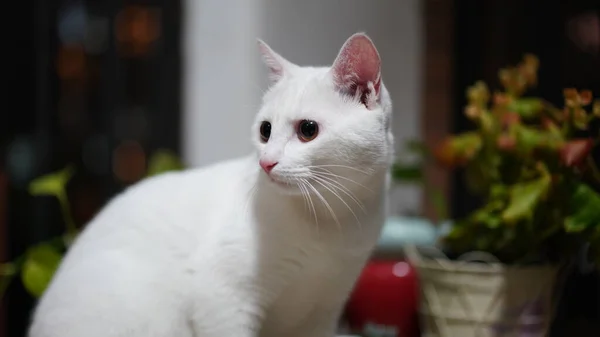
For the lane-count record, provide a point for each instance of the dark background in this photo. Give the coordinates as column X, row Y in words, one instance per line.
column 72, row 103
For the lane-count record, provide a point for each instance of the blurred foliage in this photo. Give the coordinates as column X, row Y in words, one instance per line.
column 163, row 161
column 532, row 167
column 39, row 263
column 406, row 172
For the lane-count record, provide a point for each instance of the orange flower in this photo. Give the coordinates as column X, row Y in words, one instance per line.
column 573, row 98
column 472, row 112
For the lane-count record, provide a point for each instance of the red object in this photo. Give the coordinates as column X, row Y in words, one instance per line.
column 385, row 299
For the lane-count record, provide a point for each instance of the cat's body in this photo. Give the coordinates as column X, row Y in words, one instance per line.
column 233, row 250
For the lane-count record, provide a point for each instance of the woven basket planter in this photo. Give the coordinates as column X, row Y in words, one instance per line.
column 463, row 298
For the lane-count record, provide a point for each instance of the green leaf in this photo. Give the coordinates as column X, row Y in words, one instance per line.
column 498, row 191
column 584, row 208
column 488, row 215
column 458, row 230
column 52, row 183
column 487, row 218
column 527, row 107
column 529, row 138
column 478, row 94
column 55, row 184
column 459, row 149
column 163, row 161
column 524, row 197
column 468, row 142
column 41, row 262
column 407, row 173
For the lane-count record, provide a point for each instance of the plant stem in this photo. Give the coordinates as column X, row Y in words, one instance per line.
column 66, row 210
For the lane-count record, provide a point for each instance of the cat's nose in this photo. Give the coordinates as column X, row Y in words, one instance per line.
column 267, row 165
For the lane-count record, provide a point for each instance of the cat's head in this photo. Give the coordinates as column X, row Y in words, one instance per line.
column 324, row 126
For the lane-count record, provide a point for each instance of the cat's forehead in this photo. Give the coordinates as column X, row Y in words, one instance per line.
column 310, row 89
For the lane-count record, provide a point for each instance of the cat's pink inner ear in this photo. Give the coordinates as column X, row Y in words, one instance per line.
column 276, row 63
column 358, row 64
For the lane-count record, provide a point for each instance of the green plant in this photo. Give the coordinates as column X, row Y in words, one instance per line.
column 37, row 265
column 532, row 165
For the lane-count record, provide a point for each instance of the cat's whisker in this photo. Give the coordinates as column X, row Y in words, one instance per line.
column 329, row 173
column 331, row 188
column 341, row 166
column 312, row 205
column 338, row 184
column 324, row 201
column 343, row 189
column 306, row 209
column 304, row 198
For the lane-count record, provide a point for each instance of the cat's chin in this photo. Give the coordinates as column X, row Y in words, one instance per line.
column 284, row 187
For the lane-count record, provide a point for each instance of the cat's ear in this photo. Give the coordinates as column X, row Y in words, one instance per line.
column 278, row 66
column 357, row 69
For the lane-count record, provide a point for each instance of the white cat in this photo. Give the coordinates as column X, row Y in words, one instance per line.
column 269, row 245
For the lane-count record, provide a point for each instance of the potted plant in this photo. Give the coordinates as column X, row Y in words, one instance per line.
column 495, row 272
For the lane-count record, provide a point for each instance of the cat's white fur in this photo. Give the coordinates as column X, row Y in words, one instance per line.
column 228, row 251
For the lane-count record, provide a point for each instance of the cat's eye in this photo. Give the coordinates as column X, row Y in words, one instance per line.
column 308, row 130
column 265, row 131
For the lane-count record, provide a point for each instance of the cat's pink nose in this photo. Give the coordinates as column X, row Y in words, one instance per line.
column 267, row 165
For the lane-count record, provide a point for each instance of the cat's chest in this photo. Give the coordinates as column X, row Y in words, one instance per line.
column 320, row 280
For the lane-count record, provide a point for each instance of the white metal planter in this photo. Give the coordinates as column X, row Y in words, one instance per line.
column 463, row 298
